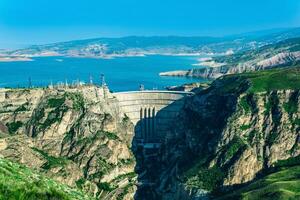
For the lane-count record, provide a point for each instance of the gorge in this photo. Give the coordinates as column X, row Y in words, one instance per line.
column 220, row 139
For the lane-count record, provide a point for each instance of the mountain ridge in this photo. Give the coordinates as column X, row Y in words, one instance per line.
column 143, row 45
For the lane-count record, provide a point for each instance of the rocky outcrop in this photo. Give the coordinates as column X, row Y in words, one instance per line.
column 189, row 87
column 279, row 59
column 226, row 136
column 207, row 72
column 77, row 136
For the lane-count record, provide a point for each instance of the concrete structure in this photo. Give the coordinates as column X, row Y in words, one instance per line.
column 151, row 111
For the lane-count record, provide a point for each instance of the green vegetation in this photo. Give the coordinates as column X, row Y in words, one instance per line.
column 92, row 138
column 276, row 79
column 128, row 176
column 293, row 161
column 19, row 182
column 105, row 186
column 296, row 122
column 284, row 184
column 80, row 182
column 56, row 102
column 54, row 116
column 58, row 107
column 292, row 105
column 52, row 161
column 201, row 176
column 104, row 167
column 245, row 127
column 124, row 192
column 14, row 126
column 22, row 108
column 77, row 99
column 272, row 138
column 232, row 148
column 206, row 178
column 245, row 105
column 126, row 161
column 264, row 81
column 109, row 135
column 270, row 104
column 254, row 134
column 211, row 178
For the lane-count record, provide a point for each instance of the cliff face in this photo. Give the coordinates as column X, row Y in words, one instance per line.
column 230, row 134
column 76, row 136
column 239, row 129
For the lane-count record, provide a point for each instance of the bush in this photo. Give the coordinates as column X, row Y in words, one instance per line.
column 233, row 147
column 54, row 102
column 14, row 126
column 288, row 162
column 52, row 161
column 105, row 186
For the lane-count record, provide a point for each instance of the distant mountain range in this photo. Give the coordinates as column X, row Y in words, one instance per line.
column 165, row 45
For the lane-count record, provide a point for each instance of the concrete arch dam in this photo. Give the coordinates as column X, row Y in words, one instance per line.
column 151, row 111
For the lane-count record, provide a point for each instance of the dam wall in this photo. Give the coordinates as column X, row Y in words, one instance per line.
column 151, row 111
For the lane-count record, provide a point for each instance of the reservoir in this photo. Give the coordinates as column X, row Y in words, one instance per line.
column 121, row 74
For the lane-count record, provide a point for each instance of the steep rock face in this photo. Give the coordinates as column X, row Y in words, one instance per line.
column 227, row 135
column 77, row 136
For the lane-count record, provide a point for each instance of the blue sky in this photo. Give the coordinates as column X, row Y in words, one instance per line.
column 44, row 21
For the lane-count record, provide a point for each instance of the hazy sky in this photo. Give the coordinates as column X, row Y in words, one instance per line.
column 44, row 21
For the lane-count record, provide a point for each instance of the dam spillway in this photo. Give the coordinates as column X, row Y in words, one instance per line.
column 151, row 111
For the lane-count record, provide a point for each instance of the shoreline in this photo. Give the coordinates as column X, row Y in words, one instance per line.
column 28, row 57
column 15, row 59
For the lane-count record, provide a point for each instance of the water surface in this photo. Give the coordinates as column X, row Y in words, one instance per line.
column 121, row 74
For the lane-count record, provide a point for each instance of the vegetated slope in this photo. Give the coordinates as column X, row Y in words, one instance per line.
column 76, row 136
column 20, row 182
column 284, row 184
column 232, row 133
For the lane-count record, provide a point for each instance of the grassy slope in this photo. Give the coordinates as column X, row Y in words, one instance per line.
column 270, row 80
column 19, row 182
column 284, row 184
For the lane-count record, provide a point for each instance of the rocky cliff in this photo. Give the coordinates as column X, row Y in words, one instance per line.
column 77, row 136
column 237, row 135
column 238, row 130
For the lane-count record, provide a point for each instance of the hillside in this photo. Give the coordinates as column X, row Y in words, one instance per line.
column 284, row 184
column 237, row 137
column 233, row 133
column 20, row 182
column 76, row 136
column 283, row 53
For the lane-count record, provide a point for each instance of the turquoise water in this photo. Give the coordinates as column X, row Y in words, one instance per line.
column 121, row 74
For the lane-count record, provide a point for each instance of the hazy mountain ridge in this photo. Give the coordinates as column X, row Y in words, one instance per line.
column 281, row 54
column 139, row 46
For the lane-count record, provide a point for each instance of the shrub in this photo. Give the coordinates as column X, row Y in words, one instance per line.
column 56, row 102
column 14, row 126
